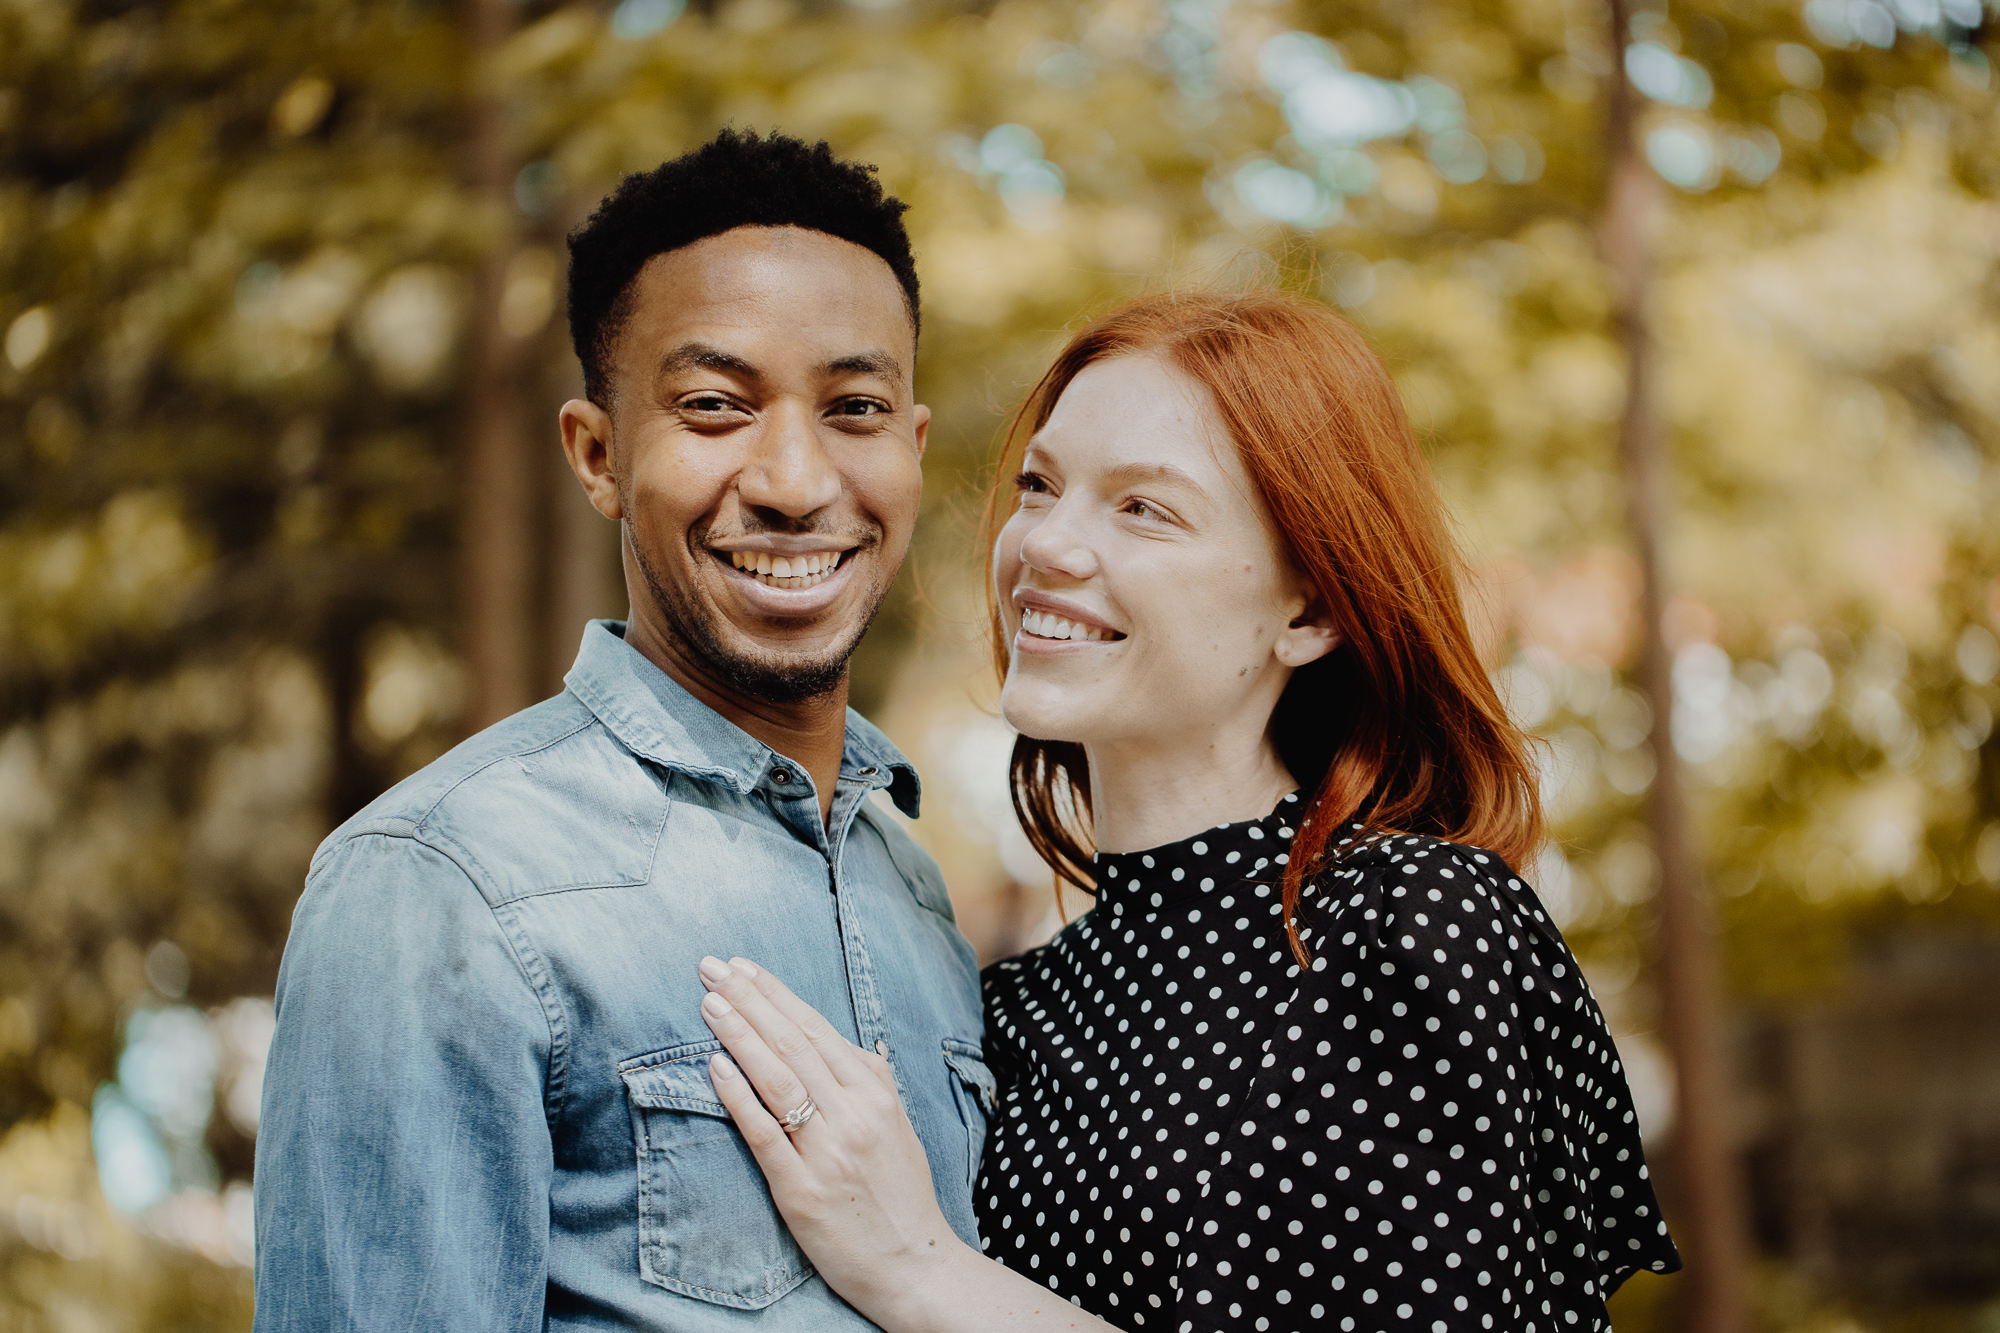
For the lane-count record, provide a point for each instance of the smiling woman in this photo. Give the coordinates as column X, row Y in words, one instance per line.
column 1140, row 564
column 1297, row 461
column 1316, row 1056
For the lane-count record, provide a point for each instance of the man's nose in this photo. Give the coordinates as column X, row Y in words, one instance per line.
column 788, row 470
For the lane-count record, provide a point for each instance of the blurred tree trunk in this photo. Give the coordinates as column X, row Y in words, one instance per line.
column 497, row 511
column 1710, row 1223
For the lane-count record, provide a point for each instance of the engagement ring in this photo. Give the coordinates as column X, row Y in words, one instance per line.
column 798, row 1115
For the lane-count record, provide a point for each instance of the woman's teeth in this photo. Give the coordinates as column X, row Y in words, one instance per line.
column 1044, row 625
column 776, row 571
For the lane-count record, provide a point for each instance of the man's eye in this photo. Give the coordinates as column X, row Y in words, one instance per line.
column 859, row 407
column 707, row 402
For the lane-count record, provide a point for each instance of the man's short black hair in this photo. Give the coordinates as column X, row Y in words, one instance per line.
column 734, row 180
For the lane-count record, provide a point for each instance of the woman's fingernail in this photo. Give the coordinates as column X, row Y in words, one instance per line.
column 714, row 1005
column 721, row 1066
column 748, row 968
column 715, row 969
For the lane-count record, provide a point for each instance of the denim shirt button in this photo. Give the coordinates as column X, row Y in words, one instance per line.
column 882, row 1048
column 868, row 772
column 781, row 775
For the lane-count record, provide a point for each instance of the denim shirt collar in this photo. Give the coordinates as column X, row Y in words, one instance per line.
column 658, row 720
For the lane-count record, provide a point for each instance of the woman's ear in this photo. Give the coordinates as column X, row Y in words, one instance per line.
column 1310, row 635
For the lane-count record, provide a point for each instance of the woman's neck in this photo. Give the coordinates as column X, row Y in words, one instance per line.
column 1147, row 796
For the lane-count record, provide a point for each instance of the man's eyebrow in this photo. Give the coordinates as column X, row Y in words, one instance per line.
column 866, row 363
column 701, row 356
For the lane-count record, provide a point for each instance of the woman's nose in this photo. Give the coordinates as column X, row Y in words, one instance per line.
column 1056, row 546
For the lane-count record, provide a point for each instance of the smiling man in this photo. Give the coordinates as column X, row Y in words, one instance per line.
column 487, row 1104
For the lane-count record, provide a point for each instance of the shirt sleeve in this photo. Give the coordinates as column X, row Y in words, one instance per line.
column 403, row 1154
column 1440, row 1136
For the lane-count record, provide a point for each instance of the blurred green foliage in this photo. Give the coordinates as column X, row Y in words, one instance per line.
column 236, row 256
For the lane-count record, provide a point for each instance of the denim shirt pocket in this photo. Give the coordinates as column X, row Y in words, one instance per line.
column 707, row 1225
column 973, row 1089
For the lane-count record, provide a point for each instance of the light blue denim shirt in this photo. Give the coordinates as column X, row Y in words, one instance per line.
column 487, row 1105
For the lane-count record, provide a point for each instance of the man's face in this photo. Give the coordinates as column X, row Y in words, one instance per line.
column 764, row 454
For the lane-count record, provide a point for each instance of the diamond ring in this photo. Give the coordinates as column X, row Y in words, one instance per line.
column 795, row 1119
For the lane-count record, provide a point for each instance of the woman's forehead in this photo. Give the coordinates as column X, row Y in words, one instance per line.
column 1139, row 415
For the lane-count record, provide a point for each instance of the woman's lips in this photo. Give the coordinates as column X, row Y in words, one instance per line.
column 1057, row 629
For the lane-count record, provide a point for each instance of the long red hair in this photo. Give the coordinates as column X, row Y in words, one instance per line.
column 1399, row 728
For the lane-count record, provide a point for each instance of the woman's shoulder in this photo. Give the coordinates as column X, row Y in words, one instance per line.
column 1401, row 872
column 1440, row 906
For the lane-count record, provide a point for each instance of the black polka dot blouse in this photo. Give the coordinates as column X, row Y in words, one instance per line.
column 1427, row 1129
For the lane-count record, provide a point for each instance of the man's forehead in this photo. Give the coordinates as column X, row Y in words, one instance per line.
column 771, row 292
column 748, row 265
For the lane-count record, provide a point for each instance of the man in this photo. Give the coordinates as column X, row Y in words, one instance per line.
column 487, row 1104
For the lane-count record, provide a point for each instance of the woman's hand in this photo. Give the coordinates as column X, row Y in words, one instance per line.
column 851, row 1178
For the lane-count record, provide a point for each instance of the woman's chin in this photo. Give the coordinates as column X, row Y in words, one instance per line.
column 1040, row 718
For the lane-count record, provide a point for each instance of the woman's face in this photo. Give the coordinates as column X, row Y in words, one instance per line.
column 1146, row 598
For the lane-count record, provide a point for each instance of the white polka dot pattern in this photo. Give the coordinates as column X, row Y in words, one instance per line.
column 1427, row 1129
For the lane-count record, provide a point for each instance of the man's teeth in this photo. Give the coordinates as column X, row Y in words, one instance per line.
column 1045, row 625
column 777, row 571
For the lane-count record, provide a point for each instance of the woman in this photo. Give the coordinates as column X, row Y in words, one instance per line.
column 1316, row 1056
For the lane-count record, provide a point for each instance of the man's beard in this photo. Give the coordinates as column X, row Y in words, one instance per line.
column 773, row 679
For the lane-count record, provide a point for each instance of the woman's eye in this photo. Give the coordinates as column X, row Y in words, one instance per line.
column 1143, row 510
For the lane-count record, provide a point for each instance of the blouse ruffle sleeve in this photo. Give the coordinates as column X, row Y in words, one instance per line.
column 1440, row 1136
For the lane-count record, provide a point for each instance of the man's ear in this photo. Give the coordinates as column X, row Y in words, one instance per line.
column 921, row 416
column 586, row 441
column 1309, row 636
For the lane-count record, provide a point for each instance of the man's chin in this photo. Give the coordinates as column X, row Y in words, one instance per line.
column 770, row 674
column 717, row 647
column 781, row 679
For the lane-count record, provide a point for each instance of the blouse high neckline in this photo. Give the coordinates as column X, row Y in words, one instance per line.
column 1253, row 849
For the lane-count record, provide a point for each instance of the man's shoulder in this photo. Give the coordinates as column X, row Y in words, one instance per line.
column 546, row 799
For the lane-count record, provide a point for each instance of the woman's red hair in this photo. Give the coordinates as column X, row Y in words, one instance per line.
column 1398, row 729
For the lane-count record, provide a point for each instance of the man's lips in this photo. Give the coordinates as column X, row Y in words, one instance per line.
column 803, row 569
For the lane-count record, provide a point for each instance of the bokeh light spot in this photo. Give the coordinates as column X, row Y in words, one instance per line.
column 1683, row 154
column 634, row 19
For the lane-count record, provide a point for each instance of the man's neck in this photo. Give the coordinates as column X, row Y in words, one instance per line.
column 812, row 733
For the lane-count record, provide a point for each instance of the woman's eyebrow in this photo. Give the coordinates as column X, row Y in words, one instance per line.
column 1129, row 473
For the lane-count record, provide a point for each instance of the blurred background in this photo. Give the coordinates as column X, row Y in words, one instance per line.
column 283, row 515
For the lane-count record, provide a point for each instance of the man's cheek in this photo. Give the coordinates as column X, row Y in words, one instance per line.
column 906, row 489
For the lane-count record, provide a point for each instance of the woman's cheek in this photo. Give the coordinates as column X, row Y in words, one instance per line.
column 1007, row 571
